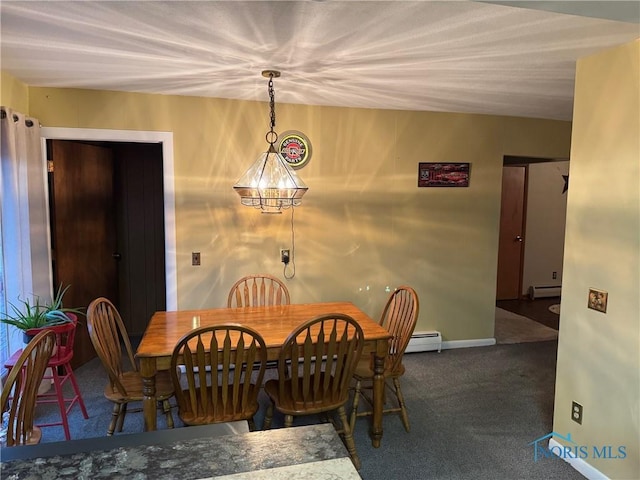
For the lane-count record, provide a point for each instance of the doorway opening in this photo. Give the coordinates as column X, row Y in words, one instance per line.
column 531, row 249
column 111, row 222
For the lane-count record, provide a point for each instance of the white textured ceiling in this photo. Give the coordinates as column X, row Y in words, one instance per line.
column 455, row 56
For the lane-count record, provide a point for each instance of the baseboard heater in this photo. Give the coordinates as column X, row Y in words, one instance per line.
column 425, row 342
column 540, row 291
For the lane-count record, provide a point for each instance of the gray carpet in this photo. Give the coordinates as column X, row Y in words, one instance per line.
column 473, row 413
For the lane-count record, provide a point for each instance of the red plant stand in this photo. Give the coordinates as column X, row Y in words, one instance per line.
column 61, row 372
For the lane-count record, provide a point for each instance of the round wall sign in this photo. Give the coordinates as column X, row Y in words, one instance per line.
column 295, row 147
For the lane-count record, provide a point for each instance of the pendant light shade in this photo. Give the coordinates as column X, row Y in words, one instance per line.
column 270, row 184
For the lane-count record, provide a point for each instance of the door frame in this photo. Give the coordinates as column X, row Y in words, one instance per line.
column 134, row 136
column 515, row 160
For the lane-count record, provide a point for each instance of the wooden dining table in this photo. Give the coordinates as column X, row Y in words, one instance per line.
column 274, row 323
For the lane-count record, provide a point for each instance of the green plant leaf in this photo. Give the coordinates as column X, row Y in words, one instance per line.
column 32, row 313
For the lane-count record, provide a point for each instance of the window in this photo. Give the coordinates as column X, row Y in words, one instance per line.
column 4, row 344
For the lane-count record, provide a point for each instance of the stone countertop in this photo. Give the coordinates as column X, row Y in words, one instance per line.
column 292, row 451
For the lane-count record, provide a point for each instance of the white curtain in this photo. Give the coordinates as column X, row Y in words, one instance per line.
column 24, row 252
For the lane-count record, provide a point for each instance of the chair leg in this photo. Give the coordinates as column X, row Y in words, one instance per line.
column 403, row 409
column 72, row 377
column 61, row 403
column 115, row 415
column 123, row 413
column 354, row 407
column 166, row 408
column 348, row 437
column 288, row 421
column 252, row 424
column 267, row 417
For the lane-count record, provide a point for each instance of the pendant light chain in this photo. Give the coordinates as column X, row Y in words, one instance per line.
column 273, row 137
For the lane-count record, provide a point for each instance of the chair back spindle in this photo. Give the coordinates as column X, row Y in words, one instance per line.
column 399, row 319
column 20, row 390
column 258, row 290
column 109, row 335
column 319, row 359
column 224, row 367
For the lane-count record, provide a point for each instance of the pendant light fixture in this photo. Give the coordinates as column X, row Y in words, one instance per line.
column 271, row 184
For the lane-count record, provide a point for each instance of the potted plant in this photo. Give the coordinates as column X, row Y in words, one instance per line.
column 33, row 315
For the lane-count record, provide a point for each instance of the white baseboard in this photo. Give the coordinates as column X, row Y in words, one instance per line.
column 475, row 342
column 578, row 463
column 425, row 341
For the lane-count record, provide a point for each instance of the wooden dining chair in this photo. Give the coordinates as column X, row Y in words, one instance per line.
column 258, row 290
column 222, row 371
column 59, row 372
column 399, row 317
column 108, row 335
column 315, row 367
column 20, row 390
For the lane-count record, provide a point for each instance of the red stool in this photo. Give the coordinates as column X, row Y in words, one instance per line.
column 60, row 360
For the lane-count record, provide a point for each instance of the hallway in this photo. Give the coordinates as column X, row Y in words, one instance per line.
column 537, row 310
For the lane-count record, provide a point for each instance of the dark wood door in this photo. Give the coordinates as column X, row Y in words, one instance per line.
column 83, row 232
column 511, row 242
column 140, row 227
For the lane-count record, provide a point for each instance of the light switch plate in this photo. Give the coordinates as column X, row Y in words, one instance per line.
column 598, row 300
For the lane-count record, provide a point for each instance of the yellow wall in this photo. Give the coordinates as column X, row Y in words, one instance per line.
column 13, row 93
column 363, row 226
column 599, row 354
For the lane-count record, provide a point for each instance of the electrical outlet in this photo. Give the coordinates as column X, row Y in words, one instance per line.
column 554, row 275
column 284, row 256
column 195, row 259
column 576, row 412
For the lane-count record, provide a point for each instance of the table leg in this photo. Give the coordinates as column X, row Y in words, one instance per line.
column 378, row 394
column 148, row 373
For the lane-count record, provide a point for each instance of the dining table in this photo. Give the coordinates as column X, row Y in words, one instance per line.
column 274, row 324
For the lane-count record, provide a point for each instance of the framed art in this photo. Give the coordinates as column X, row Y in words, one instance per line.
column 443, row 174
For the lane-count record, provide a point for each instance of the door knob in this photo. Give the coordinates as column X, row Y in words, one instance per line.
column 519, row 238
column 116, row 255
